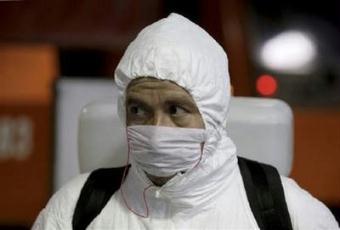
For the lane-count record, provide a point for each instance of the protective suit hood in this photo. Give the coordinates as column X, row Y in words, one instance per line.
column 178, row 50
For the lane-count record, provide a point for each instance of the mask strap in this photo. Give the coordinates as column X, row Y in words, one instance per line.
column 121, row 185
column 199, row 161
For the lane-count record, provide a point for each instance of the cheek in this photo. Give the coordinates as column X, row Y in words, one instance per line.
column 198, row 121
column 190, row 121
column 135, row 120
column 139, row 121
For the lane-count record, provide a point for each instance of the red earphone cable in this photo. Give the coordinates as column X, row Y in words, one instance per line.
column 121, row 186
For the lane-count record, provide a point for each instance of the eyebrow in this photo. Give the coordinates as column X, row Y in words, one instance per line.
column 177, row 98
column 138, row 101
column 181, row 100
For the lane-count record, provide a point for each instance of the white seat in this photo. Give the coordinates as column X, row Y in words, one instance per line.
column 262, row 129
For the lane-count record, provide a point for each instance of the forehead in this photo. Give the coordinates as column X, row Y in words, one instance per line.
column 147, row 84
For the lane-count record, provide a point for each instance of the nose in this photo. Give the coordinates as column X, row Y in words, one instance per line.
column 162, row 119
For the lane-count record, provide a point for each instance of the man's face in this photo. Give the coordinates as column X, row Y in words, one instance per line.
column 150, row 101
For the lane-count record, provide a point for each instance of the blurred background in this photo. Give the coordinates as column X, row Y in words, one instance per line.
column 278, row 49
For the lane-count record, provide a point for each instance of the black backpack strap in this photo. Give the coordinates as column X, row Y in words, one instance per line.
column 265, row 195
column 96, row 192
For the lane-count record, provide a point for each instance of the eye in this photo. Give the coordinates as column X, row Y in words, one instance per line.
column 176, row 110
column 136, row 110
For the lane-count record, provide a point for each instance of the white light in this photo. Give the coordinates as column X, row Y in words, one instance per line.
column 290, row 52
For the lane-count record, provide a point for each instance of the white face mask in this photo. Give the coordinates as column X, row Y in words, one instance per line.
column 165, row 151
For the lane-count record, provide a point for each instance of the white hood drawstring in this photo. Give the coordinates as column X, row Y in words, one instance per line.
column 177, row 50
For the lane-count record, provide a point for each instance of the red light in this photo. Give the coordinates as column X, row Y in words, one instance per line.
column 266, row 85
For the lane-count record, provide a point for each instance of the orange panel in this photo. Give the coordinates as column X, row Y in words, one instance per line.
column 317, row 153
column 27, row 72
column 25, row 162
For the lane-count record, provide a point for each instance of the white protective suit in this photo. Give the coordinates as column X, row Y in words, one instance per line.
column 212, row 195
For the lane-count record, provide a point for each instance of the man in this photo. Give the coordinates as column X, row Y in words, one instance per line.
column 174, row 93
